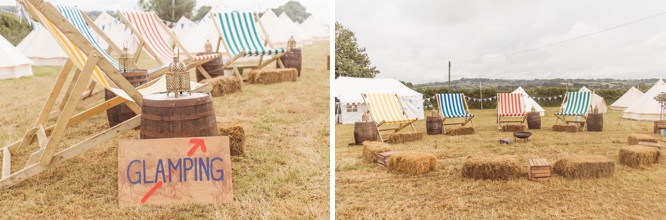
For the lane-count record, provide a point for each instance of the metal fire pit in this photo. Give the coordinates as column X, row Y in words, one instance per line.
column 522, row 135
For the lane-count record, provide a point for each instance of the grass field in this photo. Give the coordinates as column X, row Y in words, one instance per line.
column 367, row 191
column 283, row 175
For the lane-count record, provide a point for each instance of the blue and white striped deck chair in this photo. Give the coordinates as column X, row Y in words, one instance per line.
column 453, row 105
column 239, row 35
column 575, row 104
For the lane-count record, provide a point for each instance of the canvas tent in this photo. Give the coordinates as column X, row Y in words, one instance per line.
column 278, row 33
column 646, row 108
column 184, row 27
column 596, row 101
column 299, row 36
column 40, row 47
column 626, row 100
column 351, row 106
column 529, row 102
column 315, row 30
column 13, row 64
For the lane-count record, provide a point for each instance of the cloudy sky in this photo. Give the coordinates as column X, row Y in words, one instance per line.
column 319, row 8
column 412, row 41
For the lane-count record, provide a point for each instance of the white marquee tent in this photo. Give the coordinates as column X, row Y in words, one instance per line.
column 205, row 30
column 646, row 108
column 13, row 64
column 311, row 27
column 348, row 91
column 184, row 27
column 40, row 47
column 529, row 102
column 626, row 100
column 596, row 100
column 299, row 36
column 278, row 32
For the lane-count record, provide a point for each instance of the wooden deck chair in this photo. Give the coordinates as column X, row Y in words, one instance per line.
column 238, row 33
column 90, row 64
column 575, row 104
column 454, row 105
column 386, row 109
column 148, row 29
column 510, row 105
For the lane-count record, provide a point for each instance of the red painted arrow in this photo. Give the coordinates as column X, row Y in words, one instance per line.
column 198, row 142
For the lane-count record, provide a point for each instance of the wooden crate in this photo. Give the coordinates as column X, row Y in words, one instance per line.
column 382, row 158
column 539, row 169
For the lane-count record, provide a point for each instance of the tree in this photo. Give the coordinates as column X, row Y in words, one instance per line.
column 12, row 29
column 294, row 10
column 169, row 10
column 201, row 13
column 350, row 60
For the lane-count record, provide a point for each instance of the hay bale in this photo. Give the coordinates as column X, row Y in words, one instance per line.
column 633, row 139
column 491, row 167
column 571, row 128
column 372, row 148
column 460, row 131
column 413, row 163
column 513, row 127
column 268, row 76
column 236, row 135
column 405, row 137
column 585, row 167
column 223, row 85
column 638, row 156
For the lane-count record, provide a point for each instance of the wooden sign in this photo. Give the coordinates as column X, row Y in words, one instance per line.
column 174, row 171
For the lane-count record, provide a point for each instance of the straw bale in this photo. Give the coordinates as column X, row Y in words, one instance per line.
column 268, row 76
column 513, row 127
column 633, row 139
column 236, row 135
column 372, row 148
column 571, row 128
column 405, row 137
column 460, row 131
column 491, row 167
column 413, row 163
column 639, row 156
column 585, row 167
column 223, row 85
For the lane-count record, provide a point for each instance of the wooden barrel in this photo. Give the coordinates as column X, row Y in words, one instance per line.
column 595, row 122
column 533, row 120
column 365, row 131
column 434, row 125
column 121, row 112
column 214, row 68
column 185, row 116
column 292, row 59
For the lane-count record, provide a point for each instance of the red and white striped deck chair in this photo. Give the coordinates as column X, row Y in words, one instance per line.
column 510, row 105
column 150, row 30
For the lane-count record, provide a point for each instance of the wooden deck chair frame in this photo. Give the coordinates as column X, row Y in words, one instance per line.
column 189, row 61
column 231, row 64
column 379, row 124
column 499, row 117
column 49, row 137
column 563, row 119
column 466, row 119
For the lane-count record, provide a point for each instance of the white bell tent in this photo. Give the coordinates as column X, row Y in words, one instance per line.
column 277, row 32
column 13, row 64
column 626, row 100
column 646, row 108
column 352, row 107
column 40, row 47
column 596, row 101
column 529, row 102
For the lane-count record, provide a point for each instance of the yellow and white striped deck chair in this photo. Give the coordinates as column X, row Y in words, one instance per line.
column 386, row 109
column 89, row 63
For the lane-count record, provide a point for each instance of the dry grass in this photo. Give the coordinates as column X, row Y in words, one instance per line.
column 585, row 167
column 269, row 76
column 633, row 139
column 639, row 156
column 491, row 167
column 283, row 175
column 372, row 148
column 513, row 127
column 366, row 191
column 223, row 85
column 413, row 163
column 399, row 138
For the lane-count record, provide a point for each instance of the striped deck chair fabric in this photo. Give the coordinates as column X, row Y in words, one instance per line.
column 239, row 31
column 386, row 108
column 79, row 58
column 451, row 105
column 578, row 103
column 146, row 24
column 510, row 105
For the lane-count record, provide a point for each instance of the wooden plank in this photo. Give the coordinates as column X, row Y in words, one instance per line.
column 55, row 91
column 144, row 165
column 100, row 33
column 41, row 137
column 650, row 144
column 6, row 163
column 70, row 152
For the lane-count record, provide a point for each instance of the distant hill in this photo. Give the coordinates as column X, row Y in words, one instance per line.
column 504, row 84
